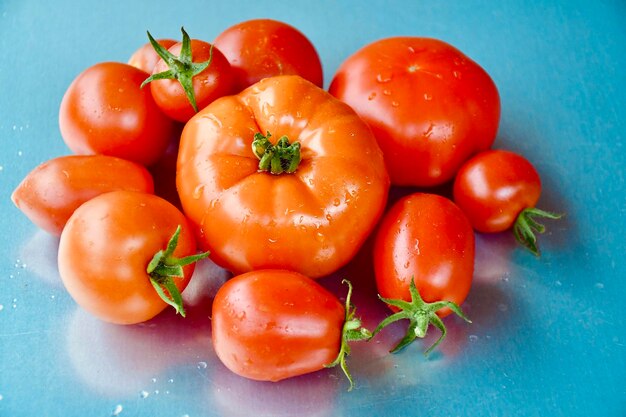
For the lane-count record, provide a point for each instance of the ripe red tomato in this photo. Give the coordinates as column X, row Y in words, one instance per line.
column 262, row 48
column 108, row 253
column 312, row 220
column 424, row 241
column 429, row 105
column 145, row 58
column 498, row 190
column 104, row 111
column 51, row 192
column 269, row 325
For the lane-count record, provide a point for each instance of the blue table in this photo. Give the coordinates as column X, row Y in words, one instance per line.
column 548, row 335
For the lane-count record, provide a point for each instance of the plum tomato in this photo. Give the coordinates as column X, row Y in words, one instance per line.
column 423, row 262
column 304, row 197
column 125, row 255
column 499, row 189
column 430, row 106
column 145, row 58
column 50, row 193
column 189, row 76
column 104, row 111
column 262, row 48
column 269, row 325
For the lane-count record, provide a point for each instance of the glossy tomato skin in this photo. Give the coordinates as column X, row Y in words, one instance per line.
column 145, row 58
column 312, row 221
column 51, row 192
column 214, row 82
column 428, row 238
column 429, row 105
column 104, row 111
column 262, row 48
column 270, row 325
column 493, row 187
column 106, row 247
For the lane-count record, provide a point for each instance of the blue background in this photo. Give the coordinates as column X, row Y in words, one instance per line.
column 549, row 335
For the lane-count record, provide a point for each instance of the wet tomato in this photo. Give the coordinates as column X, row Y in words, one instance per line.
column 145, row 58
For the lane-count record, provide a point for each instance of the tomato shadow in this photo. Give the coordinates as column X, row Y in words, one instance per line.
column 39, row 255
column 164, row 170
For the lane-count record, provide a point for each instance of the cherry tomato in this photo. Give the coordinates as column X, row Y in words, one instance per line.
column 145, row 58
column 121, row 251
column 429, row 105
column 498, row 190
column 269, row 325
column 311, row 218
column 51, row 192
column 423, row 254
column 262, row 48
column 104, row 111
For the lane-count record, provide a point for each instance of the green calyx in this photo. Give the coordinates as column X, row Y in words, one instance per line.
column 526, row 226
column 181, row 68
column 420, row 315
column 352, row 331
column 284, row 157
column 164, row 267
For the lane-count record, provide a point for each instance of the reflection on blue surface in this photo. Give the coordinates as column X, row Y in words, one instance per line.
column 548, row 335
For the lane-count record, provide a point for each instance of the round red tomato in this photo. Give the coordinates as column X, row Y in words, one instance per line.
column 429, row 105
column 104, row 111
column 109, row 250
column 51, row 192
column 498, row 190
column 262, row 48
column 312, row 217
column 145, row 58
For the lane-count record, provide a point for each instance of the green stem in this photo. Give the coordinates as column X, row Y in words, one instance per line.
column 276, row 159
column 181, row 68
column 352, row 331
column 420, row 315
column 526, row 226
column 164, row 267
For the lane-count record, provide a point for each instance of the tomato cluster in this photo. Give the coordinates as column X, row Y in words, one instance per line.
column 281, row 183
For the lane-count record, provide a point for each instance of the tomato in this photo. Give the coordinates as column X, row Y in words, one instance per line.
column 312, row 220
column 145, row 58
column 429, row 105
column 498, row 190
column 189, row 76
column 104, row 111
column 120, row 253
column 423, row 254
column 269, row 325
column 262, row 48
column 51, row 192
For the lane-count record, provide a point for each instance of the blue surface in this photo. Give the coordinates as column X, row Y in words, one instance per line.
column 549, row 335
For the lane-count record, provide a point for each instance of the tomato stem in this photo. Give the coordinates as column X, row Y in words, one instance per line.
column 420, row 315
column 526, row 226
column 164, row 267
column 181, row 68
column 276, row 159
column 352, row 331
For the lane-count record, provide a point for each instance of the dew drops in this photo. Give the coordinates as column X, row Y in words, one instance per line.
column 202, row 365
column 457, row 74
column 372, row 96
column 154, row 380
column 118, row 410
column 407, row 265
column 197, row 192
column 185, row 415
column 558, row 283
column 427, row 97
column 1, row 307
column 320, row 237
column 473, row 338
column 383, row 78
column 395, row 104
column 144, row 394
column 336, row 202
column 599, row 285
column 1, row 397
column 171, row 380
column 387, row 92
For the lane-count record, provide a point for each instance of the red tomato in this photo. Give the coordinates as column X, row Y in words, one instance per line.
column 104, row 111
column 424, row 239
column 270, row 325
column 262, row 48
column 145, row 58
column 51, row 192
column 312, row 220
column 108, row 246
column 498, row 190
column 429, row 105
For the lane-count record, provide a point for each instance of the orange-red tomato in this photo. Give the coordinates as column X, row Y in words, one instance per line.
column 145, row 58
column 105, row 249
column 51, row 192
column 312, row 220
column 262, row 48
column 104, row 111
column 270, row 325
column 429, row 105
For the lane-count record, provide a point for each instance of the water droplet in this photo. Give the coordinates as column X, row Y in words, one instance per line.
column 336, row 202
column 1, row 397
column 153, row 380
column 171, row 380
column 372, row 96
column 185, row 415
column 320, row 237
column 384, row 78
column 1, row 168
column 395, row 104
column 407, row 265
column 411, row 49
column 599, row 285
column 427, row 97
column 387, row 92
column 156, row 392
column 505, row 278
column 272, row 240
column 197, row 192
column 329, row 217
column 456, row 74
column 118, row 410
column 144, row 394
column 1, row 307
column 473, row 338
column 202, row 365
column 558, row 283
